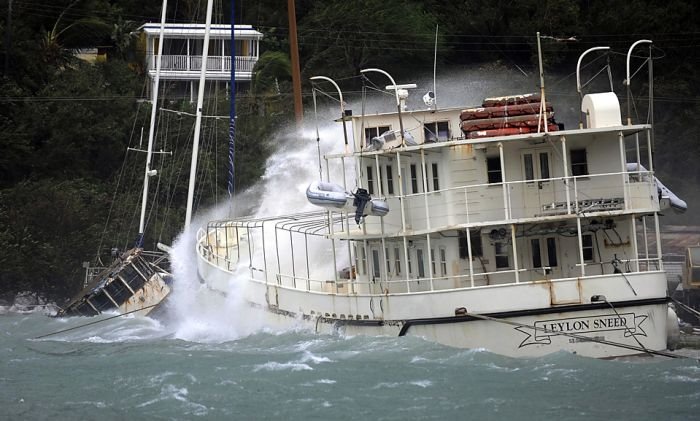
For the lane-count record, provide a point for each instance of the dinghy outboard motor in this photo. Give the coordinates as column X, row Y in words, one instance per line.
column 362, row 197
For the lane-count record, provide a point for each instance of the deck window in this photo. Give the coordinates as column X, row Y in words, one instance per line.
column 501, row 253
column 436, row 179
column 477, row 247
column 389, row 180
column 388, row 261
column 493, row 169
column 436, row 131
column 579, row 163
column 370, row 180
column 371, row 132
column 375, row 263
column 587, row 242
column 397, row 261
column 421, row 264
column 362, row 264
column 414, row 179
column 443, row 261
column 552, row 251
column 536, row 254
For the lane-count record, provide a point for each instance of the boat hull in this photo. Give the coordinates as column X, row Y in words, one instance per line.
column 481, row 317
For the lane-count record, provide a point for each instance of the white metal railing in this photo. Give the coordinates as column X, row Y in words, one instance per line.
column 187, row 63
column 486, row 203
column 413, row 285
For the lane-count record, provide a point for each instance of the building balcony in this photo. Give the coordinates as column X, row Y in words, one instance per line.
column 188, row 67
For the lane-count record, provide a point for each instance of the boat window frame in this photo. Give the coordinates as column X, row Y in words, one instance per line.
column 389, row 179
column 434, row 128
column 588, row 248
column 435, row 176
column 377, row 130
column 501, row 251
column 579, row 166
column 494, row 172
column 413, row 172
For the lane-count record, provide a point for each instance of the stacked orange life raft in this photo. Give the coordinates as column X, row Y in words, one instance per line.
column 508, row 115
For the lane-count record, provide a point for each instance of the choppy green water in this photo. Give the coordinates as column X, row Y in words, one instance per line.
column 135, row 368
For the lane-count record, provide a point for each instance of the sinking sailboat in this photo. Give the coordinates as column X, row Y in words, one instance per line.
column 132, row 283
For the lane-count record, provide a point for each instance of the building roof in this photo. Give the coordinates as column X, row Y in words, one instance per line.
column 196, row 30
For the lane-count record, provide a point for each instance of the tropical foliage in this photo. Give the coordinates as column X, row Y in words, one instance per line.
column 65, row 124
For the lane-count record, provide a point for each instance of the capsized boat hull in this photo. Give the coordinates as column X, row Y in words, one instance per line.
column 131, row 284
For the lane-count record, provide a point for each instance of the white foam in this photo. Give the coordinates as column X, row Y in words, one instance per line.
column 275, row 366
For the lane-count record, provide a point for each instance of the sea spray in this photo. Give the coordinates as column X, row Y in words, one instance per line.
column 198, row 313
column 202, row 314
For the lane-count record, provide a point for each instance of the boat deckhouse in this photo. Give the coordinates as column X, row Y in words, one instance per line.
column 182, row 54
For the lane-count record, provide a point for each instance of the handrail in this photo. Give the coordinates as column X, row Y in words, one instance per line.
column 193, row 63
column 305, row 283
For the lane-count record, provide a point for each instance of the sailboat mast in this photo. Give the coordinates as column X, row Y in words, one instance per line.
column 154, row 108
column 232, row 113
column 296, row 74
column 198, row 120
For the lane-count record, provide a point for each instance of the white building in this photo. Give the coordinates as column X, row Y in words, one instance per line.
column 182, row 54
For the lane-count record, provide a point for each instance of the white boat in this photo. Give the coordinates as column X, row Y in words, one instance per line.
column 522, row 244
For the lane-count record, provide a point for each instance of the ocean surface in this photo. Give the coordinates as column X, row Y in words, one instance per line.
column 138, row 368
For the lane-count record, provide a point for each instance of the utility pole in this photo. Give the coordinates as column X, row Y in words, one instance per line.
column 296, row 74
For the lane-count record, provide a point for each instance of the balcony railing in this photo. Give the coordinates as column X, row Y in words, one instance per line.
column 183, row 63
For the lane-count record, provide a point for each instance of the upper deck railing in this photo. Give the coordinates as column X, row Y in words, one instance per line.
column 188, row 63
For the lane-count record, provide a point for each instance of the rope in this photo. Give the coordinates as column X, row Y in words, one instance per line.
column 95, row 322
column 687, row 308
column 576, row 336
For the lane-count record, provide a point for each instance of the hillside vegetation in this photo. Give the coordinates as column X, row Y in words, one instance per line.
column 65, row 124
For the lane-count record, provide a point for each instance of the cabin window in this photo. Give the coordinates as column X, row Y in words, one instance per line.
column 371, row 132
column 363, row 261
column 436, row 131
column 579, row 163
column 443, row 261
column 536, row 255
column 493, row 169
column 388, row 261
column 414, row 178
column 552, row 251
column 389, row 180
column 410, row 263
column 370, row 180
column 436, row 179
column 375, row 263
column 544, row 165
column 421, row 264
column 477, row 248
column 501, row 252
column 587, row 243
column 397, row 261
column 536, row 166
column 432, row 261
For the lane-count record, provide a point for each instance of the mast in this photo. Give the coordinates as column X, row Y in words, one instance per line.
column 198, row 121
column 294, row 50
column 154, row 108
column 232, row 113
